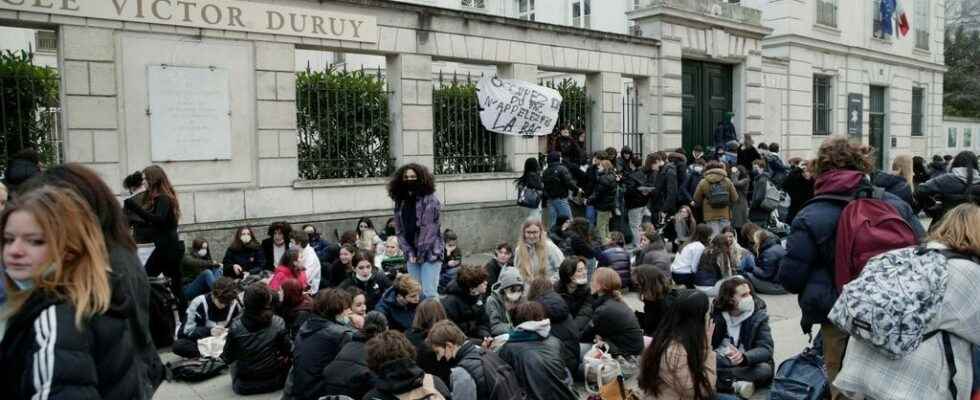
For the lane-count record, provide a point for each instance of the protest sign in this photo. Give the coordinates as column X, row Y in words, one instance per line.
column 514, row 107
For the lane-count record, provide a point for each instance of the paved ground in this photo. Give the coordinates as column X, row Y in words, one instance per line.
column 784, row 320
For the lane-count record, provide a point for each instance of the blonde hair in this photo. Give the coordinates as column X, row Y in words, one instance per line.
column 902, row 166
column 392, row 241
column 77, row 251
column 608, row 282
column 960, row 229
column 522, row 255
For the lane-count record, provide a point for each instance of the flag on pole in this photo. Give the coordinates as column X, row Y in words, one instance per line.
column 901, row 19
column 887, row 11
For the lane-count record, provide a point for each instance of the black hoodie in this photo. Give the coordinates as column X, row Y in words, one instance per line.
column 466, row 311
column 401, row 376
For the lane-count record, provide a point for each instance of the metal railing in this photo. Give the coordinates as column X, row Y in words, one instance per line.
column 574, row 113
column 343, row 124
column 827, row 13
column 30, row 113
column 461, row 144
column 632, row 136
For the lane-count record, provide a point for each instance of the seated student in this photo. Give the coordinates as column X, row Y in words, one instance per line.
column 613, row 322
column 370, row 281
column 655, row 289
column 244, row 253
column 505, row 295
column 557, row 231
column 398, row 303
column 653, row 251
column 464, row 301
column 291, row 266
column 466, row 361
column 348, row 373
column 535, row 355
column 716, row 264
column 502, row 258
column 742, row 339
column 311, row 262
column 276, row 244
column 258, row 346
column 392, row 262
column 391, row 358
column 679, row 362
column 358, row 307
column 452, row 257
column 616, row 257
column 320, row 246
column 295, row 307
column 429, row 312
column 573, row 286
column 563, row 327
column 207, row 315
column 743, row 257
column 199, row 270
column 686, row 263
column 367, row 236
column 318, row 342
column 341, row 269
column 769, row 253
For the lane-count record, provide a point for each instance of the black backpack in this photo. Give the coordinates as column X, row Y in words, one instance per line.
column 164, row 312
column 500, row 376
column 195, row 369
column 718, row 196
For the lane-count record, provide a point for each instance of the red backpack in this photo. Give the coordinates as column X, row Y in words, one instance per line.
column 867, row 227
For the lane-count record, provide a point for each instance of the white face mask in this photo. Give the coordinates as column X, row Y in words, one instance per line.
column 514, row 297
column 746, row 305
column 246, row 239
column 202, row 252
column 582, row 281
column 363, row 278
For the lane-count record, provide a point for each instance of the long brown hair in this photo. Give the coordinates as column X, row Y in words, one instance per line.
column 540, row 250
column 608, row 283
column 158, row 184
column 427, row 314
column 77, row 252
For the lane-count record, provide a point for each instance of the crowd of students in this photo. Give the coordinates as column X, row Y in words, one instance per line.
column 396, row 313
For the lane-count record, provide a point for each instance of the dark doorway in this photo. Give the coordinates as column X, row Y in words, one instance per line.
column 707, row 96
column 876, row 131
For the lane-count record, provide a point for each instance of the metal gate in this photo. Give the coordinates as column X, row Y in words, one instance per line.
column 30, row 110
column 632, row 136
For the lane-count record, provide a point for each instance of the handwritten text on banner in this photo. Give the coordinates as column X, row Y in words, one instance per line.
column 514, row 107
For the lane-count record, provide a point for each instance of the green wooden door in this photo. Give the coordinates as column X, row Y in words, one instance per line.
column 876, row 131
column 706, row 97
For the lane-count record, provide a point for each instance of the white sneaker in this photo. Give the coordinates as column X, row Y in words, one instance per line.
column 744, row 389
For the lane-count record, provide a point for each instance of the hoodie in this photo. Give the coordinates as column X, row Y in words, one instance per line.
column 941, row 194
column 537, row 362
column 530, row 331
column 711, row 177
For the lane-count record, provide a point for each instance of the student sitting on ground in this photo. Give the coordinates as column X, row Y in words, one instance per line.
column 452, row 257
column 535, row 355
column 686, row 262
column 505, row 295
column 399, row 301
column 469, row 378
column 392, row 359
column 464, row 300
column 613, row 322
column 370, row 281
column 616, row 257
column 348, row 373
column 716, row 263
column 318, row 343
column 199, row 270
column 563, row 327
column 208, row 315
column 291, row 266
column 769, row 253
column 655, row 289
column 502, row 258
column 392, row 262
column 742, row 339
column 258, row 347
column 573, row 286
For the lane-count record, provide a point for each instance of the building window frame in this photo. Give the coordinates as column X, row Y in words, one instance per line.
column 827, row 13
column 46, row 41
column 476, row 4
column 967, row 138
column 876, row 22
column 525, row 9
column 822, row 107
column 918, row 110
column 920, row 24
column 951, row 138
column 582, row 13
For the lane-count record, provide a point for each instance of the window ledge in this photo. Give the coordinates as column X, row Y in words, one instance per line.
column 922, row 52
column 830, row 30
column 381, row 181
column 882, row 41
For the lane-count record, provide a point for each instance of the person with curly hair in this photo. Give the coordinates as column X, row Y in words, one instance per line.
column 274, row 246
column 417, row 225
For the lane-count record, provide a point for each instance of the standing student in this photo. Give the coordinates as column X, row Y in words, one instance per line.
column 686, row 263
column 558, row 185
column 716, row 194
column 531, row 180
column 65, row 321
column 244, row 254
column 258, row 345
column 160, row 210
column 742, row 180
column 603, row 197
column 417, row 221
column 635, row 199
column 742, row 339
column 275, row 245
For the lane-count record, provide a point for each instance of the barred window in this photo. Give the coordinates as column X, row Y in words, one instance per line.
column 525, row 9
column 827, row 12
column 821, row 105
column 951, row 138
column 481, row 4
column 876, row 19
column 917, row 111
column 462, row 145
column 921, row 24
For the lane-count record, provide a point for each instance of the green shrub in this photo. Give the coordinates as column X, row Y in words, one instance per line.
column 462, row 144
column 29, row 105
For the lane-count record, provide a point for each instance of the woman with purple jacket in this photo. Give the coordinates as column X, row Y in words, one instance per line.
column 417, row 224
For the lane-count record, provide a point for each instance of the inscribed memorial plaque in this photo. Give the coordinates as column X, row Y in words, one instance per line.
column 190, row 113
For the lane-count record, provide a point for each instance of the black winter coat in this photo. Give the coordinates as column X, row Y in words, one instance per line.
column 618, row 259
column 44, row 350
column 373, row 288
column 470, row 358
column 575, row 245
column 161, row 222
column 746, row 155
column 757, row 214
column 493, row 269
column 948, row 189
column 800, row 191
column 425, row 356
column 466, row 311
column 666, row 190
column 538, row 366
column 317, row 345
column 579, row 304
column 616, row 323
column 250, row 257
column 127, row 277
column 348, row 373
column 755, row 337
column 604, row 193
column 563, row 328
column 402, row 376
column 259, row 355
column 894, row 184
column 557, row 181
column 634, row 198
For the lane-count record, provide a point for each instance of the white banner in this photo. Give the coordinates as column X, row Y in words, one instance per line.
column 514, row 107
column 215, row 14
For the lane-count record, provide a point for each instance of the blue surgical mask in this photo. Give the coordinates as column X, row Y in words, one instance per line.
column 28, row 284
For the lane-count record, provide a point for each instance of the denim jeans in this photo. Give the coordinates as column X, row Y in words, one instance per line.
column 590, row 214
column 202, row 284
column 718, row 225
column 428, row 276
column 558, row 207
column 636, row 219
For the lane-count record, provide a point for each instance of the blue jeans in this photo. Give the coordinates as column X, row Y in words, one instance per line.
column 202, row 284
column 590, row 214
column 428, row 276
column 558, row 207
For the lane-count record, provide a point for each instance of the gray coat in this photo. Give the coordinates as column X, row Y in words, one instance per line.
column 497, row 314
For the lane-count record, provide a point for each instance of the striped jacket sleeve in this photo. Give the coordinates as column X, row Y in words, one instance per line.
column 62, row 366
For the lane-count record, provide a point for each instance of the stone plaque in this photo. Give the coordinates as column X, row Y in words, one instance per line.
column 189, row 112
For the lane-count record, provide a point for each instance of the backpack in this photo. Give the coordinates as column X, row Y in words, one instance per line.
column 528, row 197
column 867, row 227
column 774, row 196
column 553, row 185
column 195, row 369
column 718, row 196
column 164, row 313
column 802, row 377
column 500, row 376
column 867, row 308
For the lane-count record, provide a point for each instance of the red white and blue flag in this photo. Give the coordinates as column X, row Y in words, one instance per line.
column 893, row 10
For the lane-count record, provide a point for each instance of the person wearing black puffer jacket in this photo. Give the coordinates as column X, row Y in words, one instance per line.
column 370, row 280
column 258, row 345
column 613, row 321
column 603, row 197
column 742, row 339
column 563, row 326
column 558, row 185
column 617, row 258
column 391, row 357
column 893, row 184
column 464, row 299
column 318, row 342
column 943, row 193
column 665, row 199
column 348, row 374
column 573, row 287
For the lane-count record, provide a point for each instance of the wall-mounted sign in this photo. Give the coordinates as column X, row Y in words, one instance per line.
column 514, row 107
column 855, row 114
column 245, row 16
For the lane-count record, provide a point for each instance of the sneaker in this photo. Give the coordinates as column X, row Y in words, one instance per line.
column 744, row 389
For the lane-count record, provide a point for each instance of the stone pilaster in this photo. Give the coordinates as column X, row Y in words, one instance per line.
column 275, row 108
column 519, row 148
column 410, row 78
